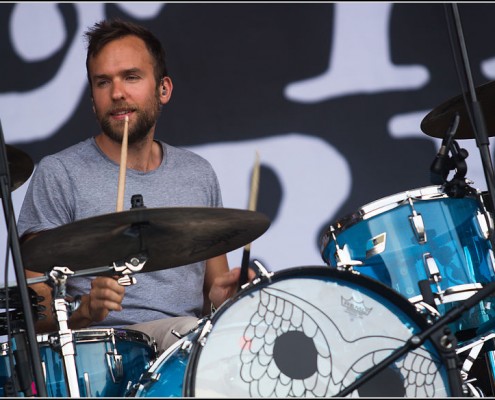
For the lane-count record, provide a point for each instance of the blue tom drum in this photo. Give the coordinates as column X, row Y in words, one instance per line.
column 421, row 235
column 108, row 361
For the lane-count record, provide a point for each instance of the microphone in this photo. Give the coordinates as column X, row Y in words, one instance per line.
column 440, row 167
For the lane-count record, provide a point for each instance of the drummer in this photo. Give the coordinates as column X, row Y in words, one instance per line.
column 128, row 77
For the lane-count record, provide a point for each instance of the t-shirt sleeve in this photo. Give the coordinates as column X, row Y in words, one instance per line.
column 48, row 202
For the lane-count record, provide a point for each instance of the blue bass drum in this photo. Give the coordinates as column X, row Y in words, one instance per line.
column 421, row 235
column 311, row 332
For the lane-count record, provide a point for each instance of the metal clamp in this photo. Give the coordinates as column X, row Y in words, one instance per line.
column 128, row 267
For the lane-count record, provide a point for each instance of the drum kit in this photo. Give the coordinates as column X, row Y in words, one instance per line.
column 403, row 306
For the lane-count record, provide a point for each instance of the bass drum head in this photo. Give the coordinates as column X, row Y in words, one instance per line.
column 311, row 332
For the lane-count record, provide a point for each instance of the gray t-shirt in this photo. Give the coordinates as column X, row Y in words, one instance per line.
column 81, row 182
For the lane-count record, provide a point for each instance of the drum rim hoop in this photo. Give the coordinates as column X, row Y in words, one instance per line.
column 391, row 202
column 87, row 335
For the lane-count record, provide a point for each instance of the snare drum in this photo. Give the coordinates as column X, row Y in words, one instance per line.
column 108, row 361
column 420, row 235
column 304, row 332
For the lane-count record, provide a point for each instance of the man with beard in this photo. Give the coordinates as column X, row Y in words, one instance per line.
column 128, row 78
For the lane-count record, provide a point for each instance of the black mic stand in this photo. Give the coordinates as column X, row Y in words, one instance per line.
column 443, row 163
column 440, row 334
column 19, row 269
column 457, row 187
column 478, row 122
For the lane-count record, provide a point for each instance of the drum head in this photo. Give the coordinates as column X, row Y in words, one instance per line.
column 311, row 332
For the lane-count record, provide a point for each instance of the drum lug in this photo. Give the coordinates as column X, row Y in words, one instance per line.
column 87, row 385
column 43, row 367
column 155, row 377
column 431, row 267
column 204, row 332
column 417, row 224
column 262, row 271
column 483, row 222
column 342, row 256
column 433, row 272
column 376, row 245
column 115, row 365
column 485, row 218
column 154, row 346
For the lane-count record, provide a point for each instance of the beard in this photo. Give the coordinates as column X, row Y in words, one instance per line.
column 146, row 119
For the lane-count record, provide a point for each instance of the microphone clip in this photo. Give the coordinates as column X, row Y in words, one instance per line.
column 443, row 163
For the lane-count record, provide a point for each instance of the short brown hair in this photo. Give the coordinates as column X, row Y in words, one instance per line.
column 105, row 31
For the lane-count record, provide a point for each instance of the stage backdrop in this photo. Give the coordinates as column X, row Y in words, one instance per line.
column 331, row 96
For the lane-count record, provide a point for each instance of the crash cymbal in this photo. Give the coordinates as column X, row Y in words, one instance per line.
column 171, row 237
column 20, row 166
column 438, row 121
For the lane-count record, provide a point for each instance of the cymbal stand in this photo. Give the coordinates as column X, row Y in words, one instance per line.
column 129, row 266
column 439, row 333
column 474, row 350
column 124, row 267
column 13, row 236
column 58, row 277
column 474, row 107
column 483, row 345
column 446, row 341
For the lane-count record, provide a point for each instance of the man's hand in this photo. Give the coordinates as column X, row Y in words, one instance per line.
column 105, row 295
column 225, row 285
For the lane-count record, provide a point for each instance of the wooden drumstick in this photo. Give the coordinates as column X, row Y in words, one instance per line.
column 253, row 199
column 123, row 165
column 253, row 196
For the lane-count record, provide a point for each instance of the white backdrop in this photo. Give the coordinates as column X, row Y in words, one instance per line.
column 315, row 177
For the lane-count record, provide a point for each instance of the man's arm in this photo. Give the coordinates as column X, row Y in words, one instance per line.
column 215, row 267
column 105, row 295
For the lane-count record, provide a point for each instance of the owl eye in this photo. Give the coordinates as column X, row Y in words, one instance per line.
column 285, row 352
